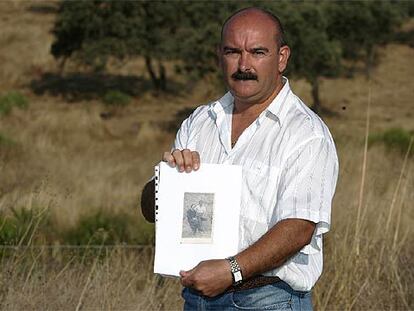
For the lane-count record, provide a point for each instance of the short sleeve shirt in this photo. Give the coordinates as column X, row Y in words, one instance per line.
column 290, row 169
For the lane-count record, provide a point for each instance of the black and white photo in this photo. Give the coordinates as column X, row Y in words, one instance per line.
column 197, row 217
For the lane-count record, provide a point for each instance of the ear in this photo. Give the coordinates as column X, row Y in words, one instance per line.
column 284, row 53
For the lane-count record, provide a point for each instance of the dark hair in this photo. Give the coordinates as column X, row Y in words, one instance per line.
column 281, row 39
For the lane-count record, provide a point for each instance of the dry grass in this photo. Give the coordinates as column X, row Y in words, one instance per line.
column 67, row 159
column 24, row 41
column 376, row 275
column 369, row 254
column 69, row 280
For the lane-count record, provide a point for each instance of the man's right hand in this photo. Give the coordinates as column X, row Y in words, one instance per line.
column 184, row 160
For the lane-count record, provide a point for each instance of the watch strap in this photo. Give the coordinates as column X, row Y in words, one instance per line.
column 235, row 271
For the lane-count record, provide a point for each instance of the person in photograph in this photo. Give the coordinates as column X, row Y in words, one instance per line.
column 196, row 214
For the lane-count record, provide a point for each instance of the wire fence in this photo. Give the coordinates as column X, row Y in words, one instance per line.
column 63, row 246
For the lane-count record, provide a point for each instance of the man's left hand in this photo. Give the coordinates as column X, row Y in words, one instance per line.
column 210, row 277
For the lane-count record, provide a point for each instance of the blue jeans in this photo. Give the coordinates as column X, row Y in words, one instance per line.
column 278, row 296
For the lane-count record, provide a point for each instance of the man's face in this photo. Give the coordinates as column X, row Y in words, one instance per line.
column 250, row 58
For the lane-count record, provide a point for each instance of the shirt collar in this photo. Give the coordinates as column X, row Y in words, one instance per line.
column 222, row 105
column 277, row 107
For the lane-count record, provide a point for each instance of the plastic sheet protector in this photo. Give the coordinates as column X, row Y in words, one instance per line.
column 197, row 215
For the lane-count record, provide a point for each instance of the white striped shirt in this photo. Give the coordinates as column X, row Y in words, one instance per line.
column 290, row 169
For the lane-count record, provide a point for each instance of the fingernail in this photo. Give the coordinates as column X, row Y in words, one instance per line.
column 188, row 169
column 196, row 166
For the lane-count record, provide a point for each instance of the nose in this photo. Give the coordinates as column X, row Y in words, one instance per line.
column 244, row 62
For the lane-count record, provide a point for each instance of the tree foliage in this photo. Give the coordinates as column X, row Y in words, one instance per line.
column 362, row 26
column 321, row 34
column 313, row 54
column 91, row 31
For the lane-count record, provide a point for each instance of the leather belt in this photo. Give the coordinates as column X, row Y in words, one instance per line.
column 256, row 281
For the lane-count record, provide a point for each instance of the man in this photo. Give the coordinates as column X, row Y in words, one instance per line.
column 290, row 170
column 195, row 216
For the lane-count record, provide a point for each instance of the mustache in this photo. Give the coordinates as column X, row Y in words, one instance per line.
column 240, row 75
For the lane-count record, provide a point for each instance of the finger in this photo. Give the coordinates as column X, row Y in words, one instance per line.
column 179, row 160
column 186, row 279
column 167, row 157
column 196, row 160
column 188, row 160
column 187, row 273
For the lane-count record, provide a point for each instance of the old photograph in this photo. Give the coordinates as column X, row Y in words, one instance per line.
column 198, row 217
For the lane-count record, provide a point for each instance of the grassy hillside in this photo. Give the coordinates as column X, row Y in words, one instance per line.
column 68, row 156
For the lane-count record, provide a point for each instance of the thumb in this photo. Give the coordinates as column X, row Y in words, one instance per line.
column 186, row 279
column 185, row 274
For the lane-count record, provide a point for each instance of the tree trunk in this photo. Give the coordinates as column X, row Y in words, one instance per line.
column 162, row 76
column 159, row 79
column 62, row 64
column 316, row 107
column 369, row 61
column 150, row 69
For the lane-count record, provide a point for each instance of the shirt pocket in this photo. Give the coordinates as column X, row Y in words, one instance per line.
column 259, row 189
column 260, row 173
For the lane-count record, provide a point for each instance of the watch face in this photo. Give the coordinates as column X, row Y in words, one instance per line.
column 237, row 276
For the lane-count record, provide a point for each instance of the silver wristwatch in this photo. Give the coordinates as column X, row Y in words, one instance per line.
column 235, row 271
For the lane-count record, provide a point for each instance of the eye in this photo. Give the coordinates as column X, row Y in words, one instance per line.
column 230, row 52
column 259, row 52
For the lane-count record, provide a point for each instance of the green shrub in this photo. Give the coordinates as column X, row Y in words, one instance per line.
column 6, row 141
column 23, row 226
column 393, row 139
column 116, row 98
column 34, row 227
column 103, row 228
column 12, row 99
